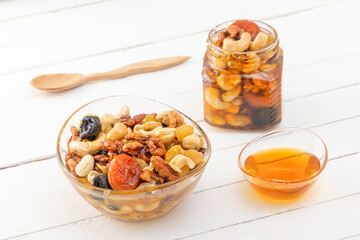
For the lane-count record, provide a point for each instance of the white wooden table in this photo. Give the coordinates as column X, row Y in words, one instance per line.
column 321, row 91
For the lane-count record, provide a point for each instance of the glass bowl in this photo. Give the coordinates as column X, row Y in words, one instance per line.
column 131, row 205
column 296, row 138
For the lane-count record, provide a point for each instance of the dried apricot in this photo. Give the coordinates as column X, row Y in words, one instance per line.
column 124, row 172
column 194, row 155
column 248, row 26
column 172, row 152
column 184, row 131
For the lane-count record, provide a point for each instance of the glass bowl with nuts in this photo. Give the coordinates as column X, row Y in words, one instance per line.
column 132, row 158
column 242, row 75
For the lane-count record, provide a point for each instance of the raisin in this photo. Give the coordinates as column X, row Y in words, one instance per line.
column 101, row 181
column 184, row 131
column 172, row 152
column 124, row 173
column 90, row 127
column 194, row 155
column 264, row 116
column 148, row 118
column 249, row 27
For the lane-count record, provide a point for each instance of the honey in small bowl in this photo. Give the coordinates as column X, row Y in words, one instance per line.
column 281, row 165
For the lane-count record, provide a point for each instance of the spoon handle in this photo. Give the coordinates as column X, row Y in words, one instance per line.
column 136, row 68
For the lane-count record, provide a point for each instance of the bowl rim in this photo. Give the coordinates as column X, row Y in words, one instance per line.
column 284, row 181
column 198, row 168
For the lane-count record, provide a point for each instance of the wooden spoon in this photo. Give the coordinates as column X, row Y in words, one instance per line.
column 61, row 81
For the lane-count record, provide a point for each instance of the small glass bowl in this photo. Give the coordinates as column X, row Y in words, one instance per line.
column 280, row 190
column 131, row 205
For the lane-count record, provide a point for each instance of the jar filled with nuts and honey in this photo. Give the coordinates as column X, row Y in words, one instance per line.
column 242, row 76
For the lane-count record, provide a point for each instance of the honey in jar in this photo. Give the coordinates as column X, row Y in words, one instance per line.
column 242, row 76
column 281, row 174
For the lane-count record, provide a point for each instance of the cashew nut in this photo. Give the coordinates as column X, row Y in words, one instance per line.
column 85, row 166
column 237, row 120
column 95, row 145
column 146, row 207
column 165, row 135
column 270, row 39
column 145, row 185
column 124, row 112
column 123, row 210
column 239, row 45
column 79, row 148
column 170, row 118
column 107, row 121
column 148, row 128
column 259, row 42
column 237, row 101
column 228, row 82
column 212, row 97
column 229, row 96
column 118, row 132
column 218, row 62
column 253, row 62
column 163, row 117
column 268, row 67
column 101, row 168
column 192, row 141
column 232, row 109
column 215, row 119
column 181, row 160
column 92, row 174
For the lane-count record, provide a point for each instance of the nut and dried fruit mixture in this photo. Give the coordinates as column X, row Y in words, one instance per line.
column 242, row 77
column 122, row 152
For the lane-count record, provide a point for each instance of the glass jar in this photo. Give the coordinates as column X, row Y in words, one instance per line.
column 242, row 90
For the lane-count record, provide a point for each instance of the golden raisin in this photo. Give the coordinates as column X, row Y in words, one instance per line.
column 196, row 156
column 172, row 152
column 148, row 118
column 184, row 131
column 184, row 170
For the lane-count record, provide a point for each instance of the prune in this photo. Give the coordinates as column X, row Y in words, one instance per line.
column 101, row 181
column 90, row 127
column 264, row 116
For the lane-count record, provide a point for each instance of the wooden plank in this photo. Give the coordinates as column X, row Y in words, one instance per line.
column 11, row 10
column 208, row 210
column 77, row 33
column 50, row 196
column 336, row 219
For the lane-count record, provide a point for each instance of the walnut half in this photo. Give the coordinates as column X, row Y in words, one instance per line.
column 164, row 169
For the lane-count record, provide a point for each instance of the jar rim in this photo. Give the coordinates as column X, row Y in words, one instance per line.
column 261, row 24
